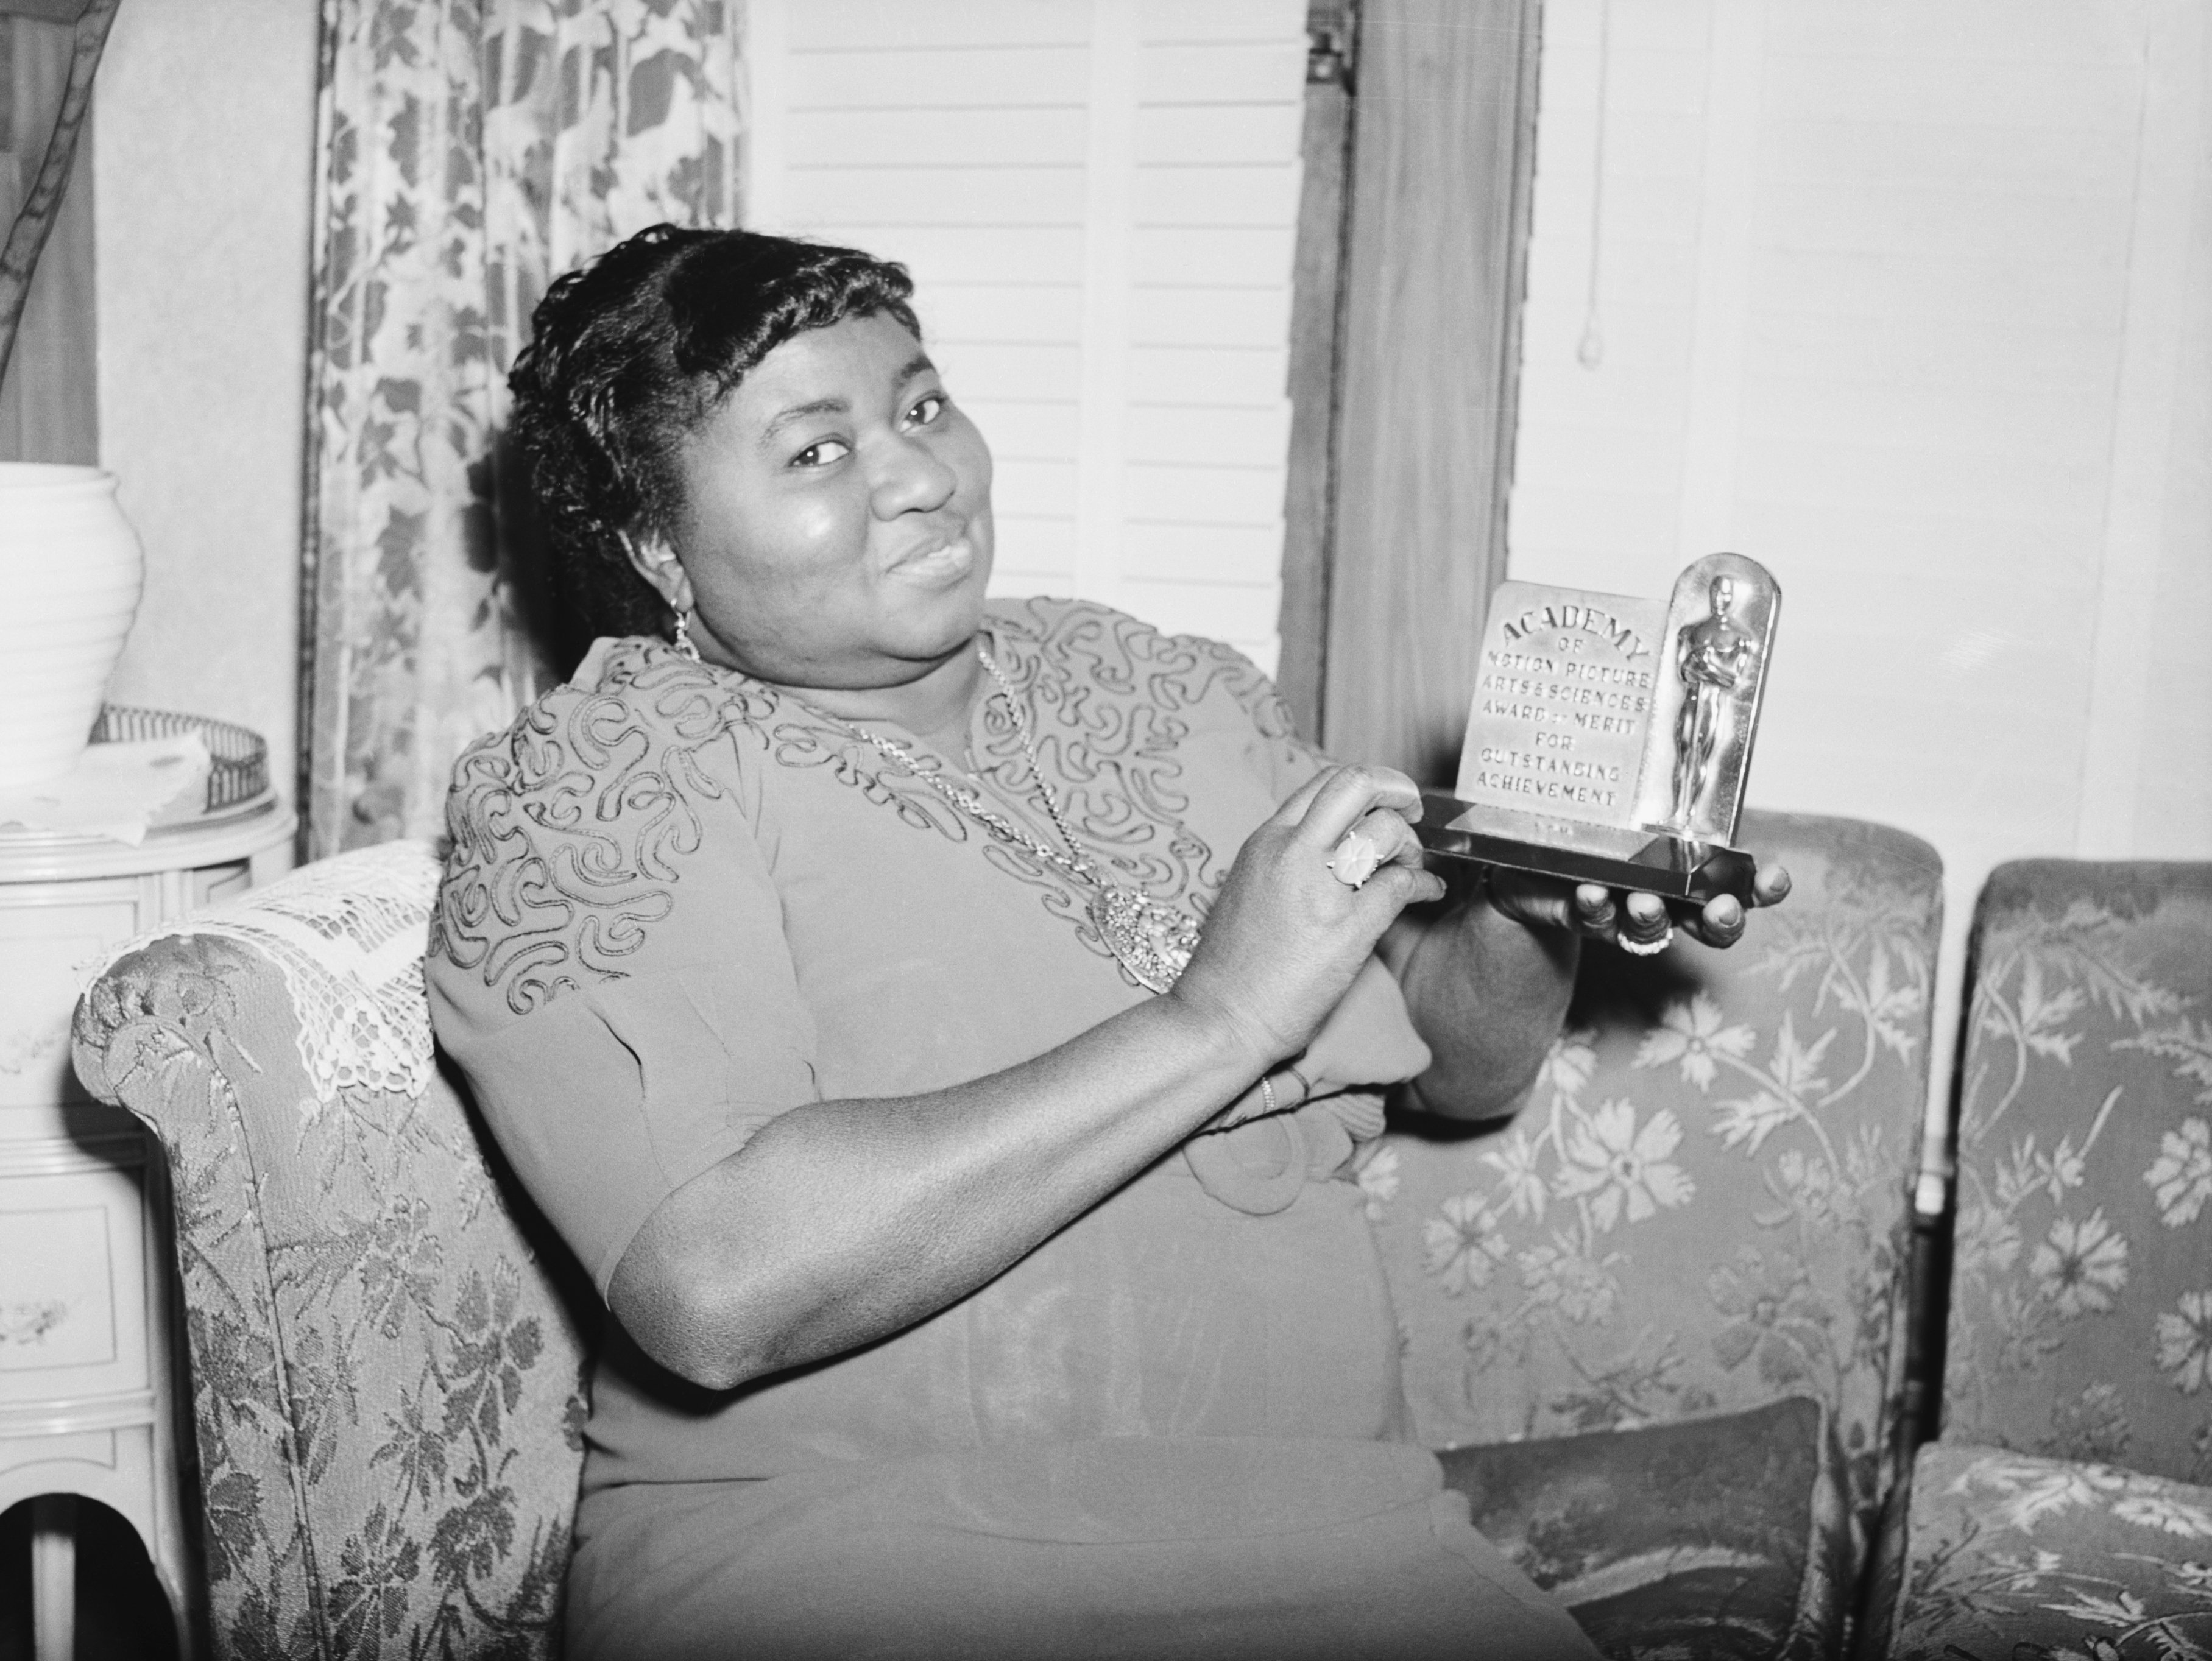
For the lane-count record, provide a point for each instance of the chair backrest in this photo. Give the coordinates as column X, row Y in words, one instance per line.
column 2081, row 1320
column 386, row 1377
column 1705, row 1203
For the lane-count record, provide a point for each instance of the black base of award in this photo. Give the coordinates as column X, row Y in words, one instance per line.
column 1656, row 861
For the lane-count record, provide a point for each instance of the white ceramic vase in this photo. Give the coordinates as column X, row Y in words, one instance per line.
column 71, row 572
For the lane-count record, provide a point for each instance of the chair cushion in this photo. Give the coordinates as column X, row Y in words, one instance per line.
column 1714, row 1538
column 1994, row 1554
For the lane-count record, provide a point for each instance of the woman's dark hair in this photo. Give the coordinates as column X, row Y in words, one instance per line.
column 633, row 352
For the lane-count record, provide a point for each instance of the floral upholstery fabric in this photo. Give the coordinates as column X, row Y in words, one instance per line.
column 2057, row 1517
column 1704, row 1204
column 2081, row 1321
column 470, row 152
column 1721, row 1539
column 2004, row 1556
column 387, row 1382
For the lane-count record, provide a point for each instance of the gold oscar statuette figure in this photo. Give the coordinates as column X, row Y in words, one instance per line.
column 1716, row 659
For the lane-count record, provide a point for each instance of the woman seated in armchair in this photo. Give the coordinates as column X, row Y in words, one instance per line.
column 942, row 1029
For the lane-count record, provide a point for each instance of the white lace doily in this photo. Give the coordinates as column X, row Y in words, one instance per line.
column 348, row 933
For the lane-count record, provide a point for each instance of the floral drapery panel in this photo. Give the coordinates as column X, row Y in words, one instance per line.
column 468, row 152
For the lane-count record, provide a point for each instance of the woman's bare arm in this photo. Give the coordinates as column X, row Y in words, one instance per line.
column 1486, row 992
column 841, row 1222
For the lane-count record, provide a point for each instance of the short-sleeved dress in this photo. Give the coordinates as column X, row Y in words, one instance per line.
column 680, row 903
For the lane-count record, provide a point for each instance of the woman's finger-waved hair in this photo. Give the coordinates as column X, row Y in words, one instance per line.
column 634, row 350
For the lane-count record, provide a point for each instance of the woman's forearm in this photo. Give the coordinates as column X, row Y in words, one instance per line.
column 844, row 1221
column 1487, row 993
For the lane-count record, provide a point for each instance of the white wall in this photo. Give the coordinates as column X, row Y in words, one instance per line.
column 1097, row 199
column 203, row 134
column 1911, row 301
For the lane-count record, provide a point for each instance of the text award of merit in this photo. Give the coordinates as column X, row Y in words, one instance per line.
column 1610, row 736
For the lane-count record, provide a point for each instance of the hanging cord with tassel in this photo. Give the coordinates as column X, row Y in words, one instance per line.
column 1591, row 352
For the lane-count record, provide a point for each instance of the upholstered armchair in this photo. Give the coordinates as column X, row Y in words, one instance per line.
column 1689, row 1246
column 1661, row 1317
column 2062, row 1512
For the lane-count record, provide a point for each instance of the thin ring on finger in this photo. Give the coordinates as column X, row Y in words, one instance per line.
column 1636, row 948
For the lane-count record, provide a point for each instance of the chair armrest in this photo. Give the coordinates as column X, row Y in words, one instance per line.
column 386, row 1372
column 159, row 1034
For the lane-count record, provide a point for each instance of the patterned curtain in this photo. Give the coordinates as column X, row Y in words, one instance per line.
column 468, row 152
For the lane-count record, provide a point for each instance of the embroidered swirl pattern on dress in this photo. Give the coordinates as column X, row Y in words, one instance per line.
column 571, row 828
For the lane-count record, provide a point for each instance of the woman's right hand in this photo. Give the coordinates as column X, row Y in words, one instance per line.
column 1286, row 937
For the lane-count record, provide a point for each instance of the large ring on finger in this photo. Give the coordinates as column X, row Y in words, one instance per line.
column 1355, row 859
column 1648, row 947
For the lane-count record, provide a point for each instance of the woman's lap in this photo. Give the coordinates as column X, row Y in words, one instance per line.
column 1151, row 1548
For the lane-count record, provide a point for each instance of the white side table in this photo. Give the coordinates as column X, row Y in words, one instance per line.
column 88, row 1398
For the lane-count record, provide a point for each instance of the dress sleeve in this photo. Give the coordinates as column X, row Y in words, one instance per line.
column 608, row 965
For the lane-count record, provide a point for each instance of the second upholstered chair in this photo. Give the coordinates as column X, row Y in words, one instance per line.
column 2063, row 1511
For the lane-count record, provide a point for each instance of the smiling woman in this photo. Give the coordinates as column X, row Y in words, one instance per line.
column 836, row 512
column 943, row 1031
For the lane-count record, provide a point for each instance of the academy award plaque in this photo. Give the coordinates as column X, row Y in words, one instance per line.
column 1610, row 737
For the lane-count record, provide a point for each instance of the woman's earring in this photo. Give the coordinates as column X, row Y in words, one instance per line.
column 683, row 646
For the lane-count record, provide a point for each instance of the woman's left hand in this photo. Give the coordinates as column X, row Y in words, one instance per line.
column 1630, row 918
